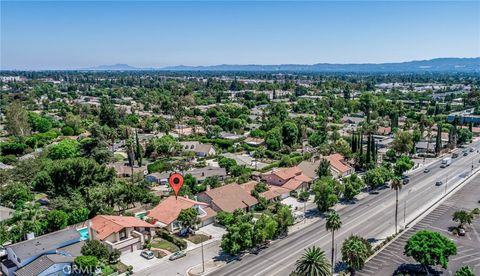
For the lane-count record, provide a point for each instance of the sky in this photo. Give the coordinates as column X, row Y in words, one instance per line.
column 39, row 35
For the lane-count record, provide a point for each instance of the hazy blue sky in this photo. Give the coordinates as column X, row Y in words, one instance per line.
column 71, row 34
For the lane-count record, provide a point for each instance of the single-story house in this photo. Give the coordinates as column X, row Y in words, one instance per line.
column 425, row 147
column 273, row 192
column 48, row 265
column 25, row 252
column 255, row 142
column 159, row 178
column 384, row 130
column 200, row 149
column 228, row 198
column 124, row 170
column 245, row 160
column 165, row 214
column 292, row 178
column 120, row 232
column 338, row 165
column 202, row 173
column 309, row 168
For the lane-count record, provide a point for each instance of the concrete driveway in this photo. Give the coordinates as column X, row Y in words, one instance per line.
column 138, row 262
column 211, row 230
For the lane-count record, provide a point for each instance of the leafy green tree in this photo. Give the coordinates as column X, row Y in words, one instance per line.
column 17, row 120
column 188, row 218
column 14, row 195
column 265, row 228
column 464, row 136
column 56, row 220
column 403, row 142
column 273, row 140
column 95, row 248
column 227, row 163
column 465, row 271
column 403, row 164
column 355, row 252
column 312, row 263
column 323, row 168
column 325, row 196
column 316, row 139
column 430, row 248
column 289, row 133
column 108, row 114
column 166, row 145
column 225, row 218
column 462, row 217
column 64, row 149
column 333, row 224
column 39, row 123
column 367, row 104
column 78, row 215
column 239, row 237
column 353, row 186
column 396, row 185
column 284, row 218
column 86, row 263
column 376, row 177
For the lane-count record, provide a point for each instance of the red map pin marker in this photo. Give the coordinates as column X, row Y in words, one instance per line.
column 176, row 181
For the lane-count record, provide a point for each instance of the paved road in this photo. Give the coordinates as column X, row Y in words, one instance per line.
column 391, row 258
column 372, row 218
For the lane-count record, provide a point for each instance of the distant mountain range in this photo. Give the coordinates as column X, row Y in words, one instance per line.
column 432, row 65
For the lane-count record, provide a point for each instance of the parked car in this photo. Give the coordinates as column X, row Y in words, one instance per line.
column 427, row 170
column 454, row 155
column 3, row 251
column 461, row 232
column 177, row 255
column 439, row 183
column 406, row 180
column 472, row 150
column 147, row 254
column 465, row 153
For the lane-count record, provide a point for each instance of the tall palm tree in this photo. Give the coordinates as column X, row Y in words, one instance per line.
column 312, row 263
column 396, row 185
column 333, row 224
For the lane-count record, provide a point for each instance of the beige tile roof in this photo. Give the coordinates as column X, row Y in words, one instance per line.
column 230, row 197
column 168, row 210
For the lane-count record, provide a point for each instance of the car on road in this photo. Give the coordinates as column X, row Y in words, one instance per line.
column 472, row 150
column 177, row 255
column 461, row 232
column 465, row 153
column 406, row 180
column 427, row 170
column 147, row 254
column 455, row 155
column 439, row 183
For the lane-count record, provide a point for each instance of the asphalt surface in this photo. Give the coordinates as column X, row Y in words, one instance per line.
column 391, row 258
column 372, row 218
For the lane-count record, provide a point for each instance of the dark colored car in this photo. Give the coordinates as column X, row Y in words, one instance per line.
column 439, row 183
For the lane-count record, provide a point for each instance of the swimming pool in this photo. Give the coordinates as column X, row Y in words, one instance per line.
column 83, row 233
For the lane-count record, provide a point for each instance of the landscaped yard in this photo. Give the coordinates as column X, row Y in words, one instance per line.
column 163, row 244
column 198, row 238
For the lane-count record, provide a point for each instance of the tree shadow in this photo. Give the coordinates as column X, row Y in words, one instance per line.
column 415, row 269
column 340, row 266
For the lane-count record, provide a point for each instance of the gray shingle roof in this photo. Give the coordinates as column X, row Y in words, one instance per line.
column 42, row 263
column 45, row 243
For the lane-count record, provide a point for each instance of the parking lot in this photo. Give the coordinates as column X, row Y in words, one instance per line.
column 467, row 198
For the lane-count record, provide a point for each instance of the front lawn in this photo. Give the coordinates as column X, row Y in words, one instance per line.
column 163, row 244
column 198, row 238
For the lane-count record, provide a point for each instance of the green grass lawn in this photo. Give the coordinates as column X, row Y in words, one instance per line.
column 163, row 244
column 198, row 238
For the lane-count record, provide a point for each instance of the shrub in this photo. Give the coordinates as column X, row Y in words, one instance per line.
column 86, row 263
column 164, row 234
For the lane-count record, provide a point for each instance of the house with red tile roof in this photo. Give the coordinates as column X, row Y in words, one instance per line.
column 292, row 179
column 338, row 165
column 228, row 198
column 121, row 232
column 273, row 192
column 165, row 214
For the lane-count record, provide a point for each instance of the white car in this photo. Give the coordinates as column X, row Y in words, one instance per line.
column 147, row 254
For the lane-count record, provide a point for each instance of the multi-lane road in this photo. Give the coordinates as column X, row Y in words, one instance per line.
column 372, row 218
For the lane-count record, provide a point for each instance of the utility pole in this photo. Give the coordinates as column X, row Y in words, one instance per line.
column 446, row 183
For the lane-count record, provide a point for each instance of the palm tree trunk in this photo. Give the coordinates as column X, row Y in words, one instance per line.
column 333, row 249
column 396, row 209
